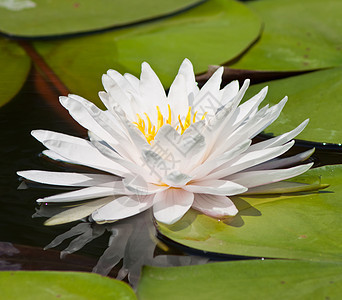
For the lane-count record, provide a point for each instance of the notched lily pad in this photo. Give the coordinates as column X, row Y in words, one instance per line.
column 297, row 226
column 43, row 18
column 269, row 279
column 211, row 33
column 64, row 285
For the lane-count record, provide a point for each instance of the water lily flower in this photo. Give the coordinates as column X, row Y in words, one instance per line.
column 189, row 148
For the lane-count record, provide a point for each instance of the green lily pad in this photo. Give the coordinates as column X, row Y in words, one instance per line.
column 61, row 285
column 297, row 226
column 38, row 18
column 271, row 279
column 316, row 96
column 298, row 35
column 211, row 33
column 15, row 65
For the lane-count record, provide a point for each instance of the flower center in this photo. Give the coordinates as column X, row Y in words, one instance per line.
column 149, row 130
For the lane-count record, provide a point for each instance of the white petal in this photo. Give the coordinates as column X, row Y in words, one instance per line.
column 118, row 89
column 78, row 212
column 136, row 136
column 166, row 144
column 55, row 156
column 156, row 165
column 172, row 146
column 284, row 162
column 134, row 81
column 208, row 100
column 214, row 206
column 122, row 207
column 245, row 109
column 152, row 91
column 221, row 122
column 131, row 167
column 211, row 164
column 229, row 92
column 281, row 139
column 113, row 188
column 76, row 150
column 176, row 179
column 138, row 185
column 67, row 179
column 241, row 124
column 78, row 110
column 247, row 160
column 87, row 156
column 178, row 99
column 256, row 178
column 272, row 114
column 101, row 123
column 186, row 69
column 171, row 205
column 215, row 187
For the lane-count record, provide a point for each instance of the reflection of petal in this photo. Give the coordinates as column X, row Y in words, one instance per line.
column 76, row 230
column 133, row 240
column 78, row 212
column 120, row 233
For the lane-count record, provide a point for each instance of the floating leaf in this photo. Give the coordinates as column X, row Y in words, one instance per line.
column 297, row 226
column 316, row 96
column 61, row 285
column 15, row 65
column 298, row 35
column 270, row 279
column 211, row 33
column 38, row 18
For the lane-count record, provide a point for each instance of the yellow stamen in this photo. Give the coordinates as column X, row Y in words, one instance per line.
column 149, row 122
column 160, row 118
column 204, row 115
column 170, row 113
column 181, row 124
column 151, row 130
column 187, row 122
column 194, row 117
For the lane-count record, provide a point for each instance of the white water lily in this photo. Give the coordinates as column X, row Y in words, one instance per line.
column 189, row 148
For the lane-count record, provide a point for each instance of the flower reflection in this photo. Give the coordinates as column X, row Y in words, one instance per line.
column 132, row 240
